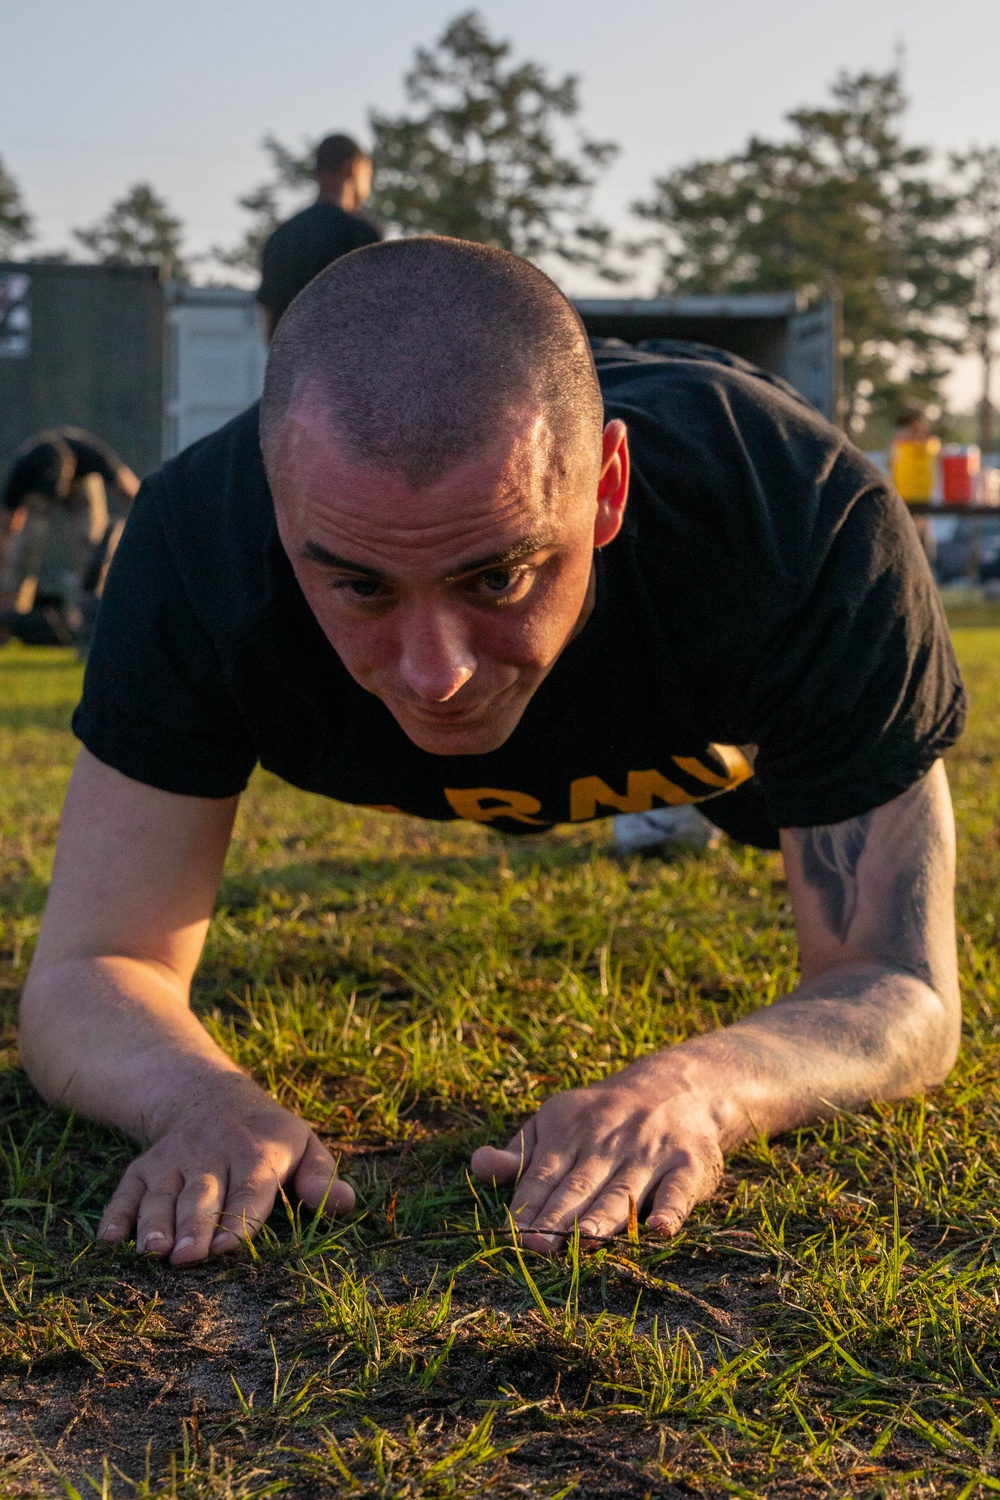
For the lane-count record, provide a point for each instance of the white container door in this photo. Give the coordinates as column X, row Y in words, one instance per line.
column 216, row 354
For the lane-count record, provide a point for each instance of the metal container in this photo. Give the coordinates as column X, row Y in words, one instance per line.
column 151, row 367
column 783, row 333
column 82, row 346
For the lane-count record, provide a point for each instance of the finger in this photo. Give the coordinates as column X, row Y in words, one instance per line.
column 154, row 1230
column 569, row 1200
column 316, row 1182
column 550, row 1172
column 690, row 1180
column 608, row 1213
column 118, row 1218
column 248, row 1205
column 499, row 1167
column 490, row 1164
column 196, row 1216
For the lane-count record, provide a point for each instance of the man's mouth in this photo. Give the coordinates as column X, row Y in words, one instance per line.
column 452, row 716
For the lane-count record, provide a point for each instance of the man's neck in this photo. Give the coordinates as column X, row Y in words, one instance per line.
column 342, row 195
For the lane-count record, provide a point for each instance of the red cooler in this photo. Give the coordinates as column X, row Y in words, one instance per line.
column 959, row 474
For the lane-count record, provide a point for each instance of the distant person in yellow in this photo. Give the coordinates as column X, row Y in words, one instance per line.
column 915, row 453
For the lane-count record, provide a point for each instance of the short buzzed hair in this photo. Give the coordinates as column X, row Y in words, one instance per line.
column 423, row 351
column 335, row 153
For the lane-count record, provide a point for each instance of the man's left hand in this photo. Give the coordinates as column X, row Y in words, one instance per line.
column 647, row 1133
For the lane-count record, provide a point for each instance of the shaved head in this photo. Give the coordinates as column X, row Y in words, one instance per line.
column 423, row 352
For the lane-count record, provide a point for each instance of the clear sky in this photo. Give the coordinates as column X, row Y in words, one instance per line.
column 98, row 95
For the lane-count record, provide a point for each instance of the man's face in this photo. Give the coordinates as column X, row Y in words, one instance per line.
column 450, row 603
column 361, row 171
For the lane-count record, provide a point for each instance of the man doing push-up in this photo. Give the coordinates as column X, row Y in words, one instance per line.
column 465, row 572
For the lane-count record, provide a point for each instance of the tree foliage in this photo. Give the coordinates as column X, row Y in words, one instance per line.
column 978, row 173
column 482, row 154
column 269, row 202
column 138, row 230
column 15, row 220
column 844, row 206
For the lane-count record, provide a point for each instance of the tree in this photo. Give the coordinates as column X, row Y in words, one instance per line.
column 979, row 173
column 15, row 220
column 481, row 157
column 269, row 202
column 138, row 230
column 842, row 206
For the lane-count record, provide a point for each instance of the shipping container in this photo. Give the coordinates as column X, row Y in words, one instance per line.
column 784, row 333
column 149, row 366
column 152, row 366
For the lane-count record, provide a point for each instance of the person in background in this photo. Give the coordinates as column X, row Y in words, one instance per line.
column 913, row 461
column 311, row 240
column 62, row 509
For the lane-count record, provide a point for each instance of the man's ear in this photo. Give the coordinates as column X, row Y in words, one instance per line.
column 612, row 487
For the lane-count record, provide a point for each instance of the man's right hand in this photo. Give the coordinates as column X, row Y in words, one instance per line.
column 107, row 1029
column 211, row 1179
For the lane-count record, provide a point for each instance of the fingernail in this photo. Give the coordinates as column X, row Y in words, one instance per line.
column 153, row 1238
column 182, row 1244
column 588, row 1229
column 221, row 1241
column 109, row 1234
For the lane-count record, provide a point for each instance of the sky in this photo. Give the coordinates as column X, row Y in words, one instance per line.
column 100, row 95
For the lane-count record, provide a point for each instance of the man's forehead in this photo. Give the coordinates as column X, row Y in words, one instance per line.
column 318, row 468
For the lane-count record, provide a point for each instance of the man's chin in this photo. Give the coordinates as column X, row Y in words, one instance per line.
column 475, row 736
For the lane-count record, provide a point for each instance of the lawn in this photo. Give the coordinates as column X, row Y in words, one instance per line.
column 828, row 1326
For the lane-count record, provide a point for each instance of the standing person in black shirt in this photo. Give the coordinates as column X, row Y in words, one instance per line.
column 473, row 576
column 311, row 240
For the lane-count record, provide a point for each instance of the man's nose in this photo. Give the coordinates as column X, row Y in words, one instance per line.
column 437, row 657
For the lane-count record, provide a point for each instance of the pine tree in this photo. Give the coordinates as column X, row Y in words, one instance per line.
column 15, row 221
column 979, row 175
column 843, row 205
column 483, row 156
column 138, row 230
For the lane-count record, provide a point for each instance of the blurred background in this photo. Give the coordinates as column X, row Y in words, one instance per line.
column 846, row 157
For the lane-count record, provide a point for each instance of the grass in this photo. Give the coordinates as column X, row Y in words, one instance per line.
column 828, row 1326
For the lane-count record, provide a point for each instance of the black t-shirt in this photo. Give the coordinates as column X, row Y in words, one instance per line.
column 31, row 470
column 767, row 590
column 303, row 246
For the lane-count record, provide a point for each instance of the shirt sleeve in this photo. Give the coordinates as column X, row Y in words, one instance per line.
column 156, row 705
column 859, row 693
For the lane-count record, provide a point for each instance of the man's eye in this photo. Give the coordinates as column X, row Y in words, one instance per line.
column 497, row 580
column 358, row 588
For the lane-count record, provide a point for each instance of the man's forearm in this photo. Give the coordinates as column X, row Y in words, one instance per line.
column 114, row 1040
column 857, row 1032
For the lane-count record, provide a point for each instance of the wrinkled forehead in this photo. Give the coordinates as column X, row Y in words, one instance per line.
column 314, row 460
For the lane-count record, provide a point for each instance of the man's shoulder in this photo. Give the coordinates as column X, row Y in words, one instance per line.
column 318, row 220
column 215, row 507
column 709, row 425
column 671, row 374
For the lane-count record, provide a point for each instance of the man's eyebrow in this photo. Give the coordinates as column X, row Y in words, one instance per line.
column 512, row 554
column 314, row 552
column 317, row 553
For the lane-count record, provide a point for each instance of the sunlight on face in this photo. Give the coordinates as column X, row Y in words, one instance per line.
column 450, row 603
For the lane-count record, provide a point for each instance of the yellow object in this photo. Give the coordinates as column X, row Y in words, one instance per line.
column 914, row 461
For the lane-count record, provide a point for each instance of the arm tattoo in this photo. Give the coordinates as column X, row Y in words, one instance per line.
column 830, row 858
